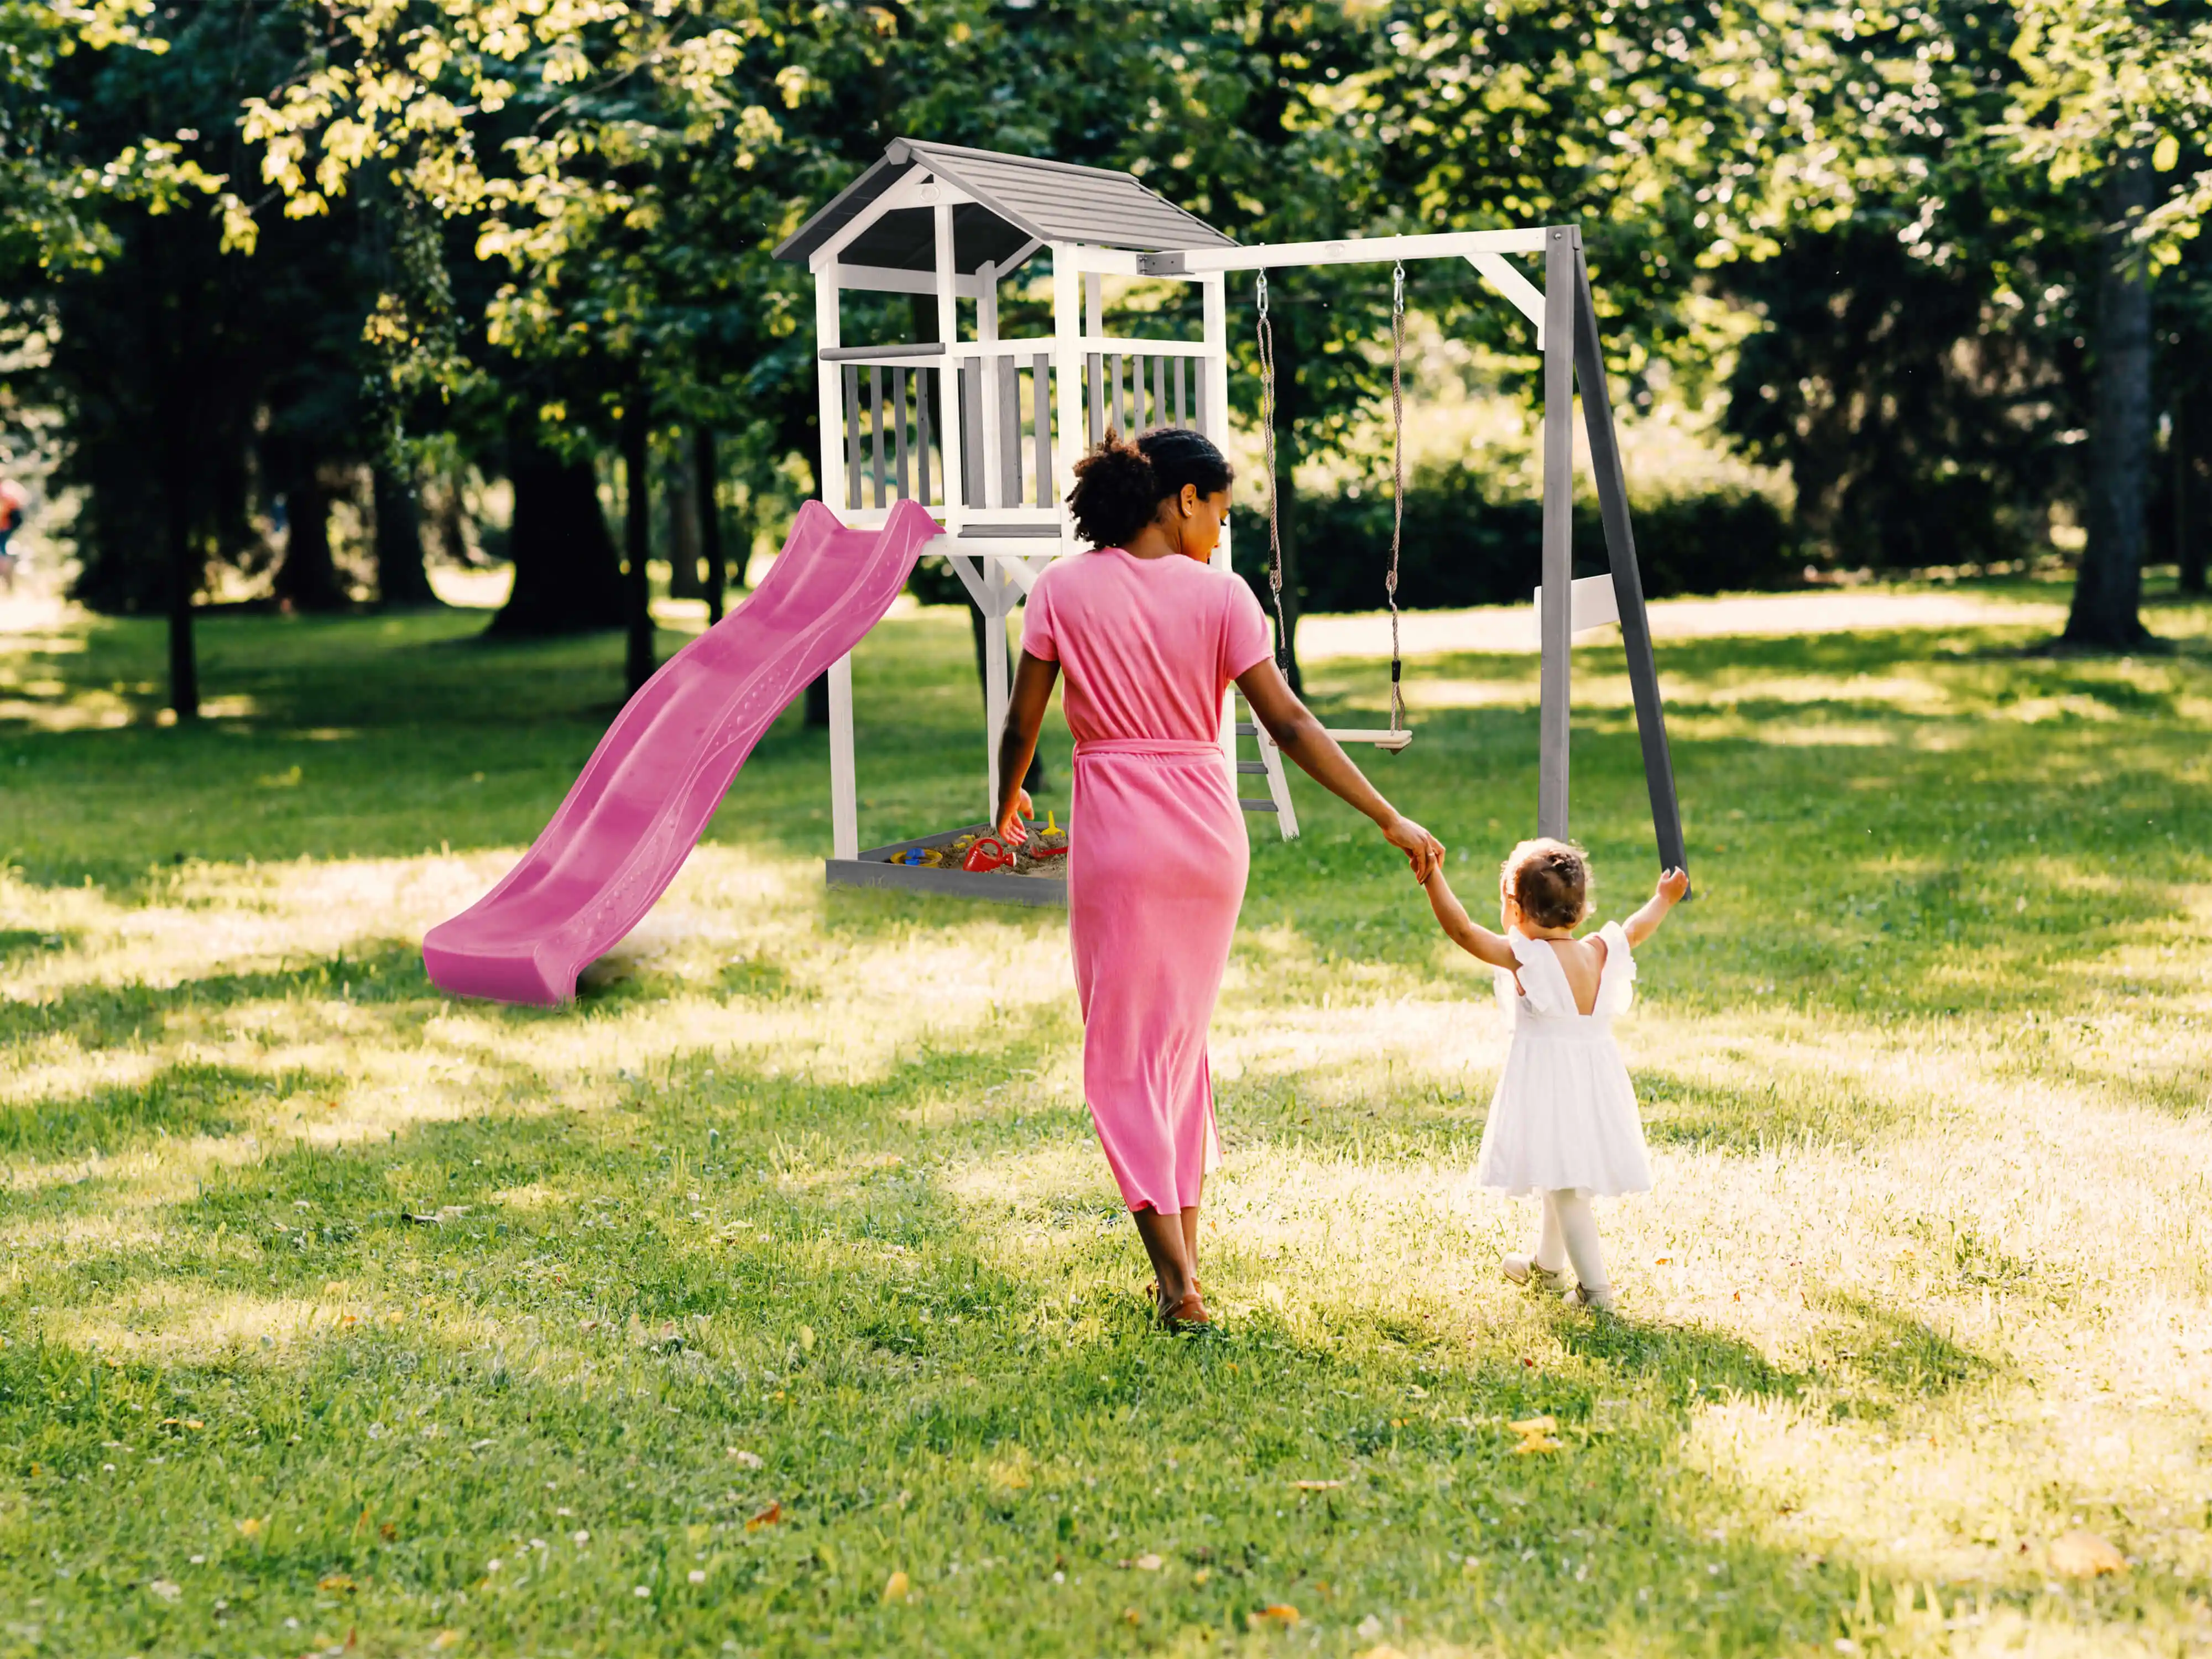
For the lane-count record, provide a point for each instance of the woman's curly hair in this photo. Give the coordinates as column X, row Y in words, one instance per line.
column 1120, row 484
column 1549, row 880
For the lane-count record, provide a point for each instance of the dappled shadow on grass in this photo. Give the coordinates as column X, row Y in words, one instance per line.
column 96, row 1015
column 184, row 1099
column 914, row 1397
column 1802, row 1108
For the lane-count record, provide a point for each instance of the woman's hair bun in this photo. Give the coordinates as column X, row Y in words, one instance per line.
column 1120, row 483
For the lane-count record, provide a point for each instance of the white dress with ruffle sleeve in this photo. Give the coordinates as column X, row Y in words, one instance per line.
column 1565, row 1114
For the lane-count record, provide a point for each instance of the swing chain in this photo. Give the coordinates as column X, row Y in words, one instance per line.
column 1397, row 481
column 1266, row 342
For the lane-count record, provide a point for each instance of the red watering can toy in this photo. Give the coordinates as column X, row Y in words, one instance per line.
column 988, row 854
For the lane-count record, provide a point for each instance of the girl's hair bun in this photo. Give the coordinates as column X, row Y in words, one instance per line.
column 1549, row 880
column 1120, row 483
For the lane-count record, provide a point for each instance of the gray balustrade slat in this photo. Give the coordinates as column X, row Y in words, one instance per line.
column 971, row 432
column 1178, row 364
column 1095, row 385
column 1159, row 392
column 852, row 435
column 1009, row 430
column 1198, row 415
column 900, row 377
column 1040, row 403
column 1121, row 420
column 922, row 378
column 876, row 428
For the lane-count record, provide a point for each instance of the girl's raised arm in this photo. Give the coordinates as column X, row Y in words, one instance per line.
column 1470, row 935
column 1645, row 922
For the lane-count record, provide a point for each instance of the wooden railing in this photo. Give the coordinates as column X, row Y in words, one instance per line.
column 894, row 413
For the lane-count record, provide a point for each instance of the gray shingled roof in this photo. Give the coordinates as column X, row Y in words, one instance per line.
column 1017, row 198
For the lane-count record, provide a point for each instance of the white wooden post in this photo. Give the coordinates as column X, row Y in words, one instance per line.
column 1002, row 592
column 828, row 336
column 844, row 797
column 1068, row 382
column 948, row 330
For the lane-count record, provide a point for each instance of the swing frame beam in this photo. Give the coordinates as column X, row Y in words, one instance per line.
column 1567, row 335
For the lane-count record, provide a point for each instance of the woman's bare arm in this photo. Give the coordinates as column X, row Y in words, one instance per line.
column 1470, row 935
column 1299, row 735
column 1645, row 922
column 1034, row 679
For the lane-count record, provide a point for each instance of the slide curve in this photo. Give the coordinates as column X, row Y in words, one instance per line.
column 658, row 775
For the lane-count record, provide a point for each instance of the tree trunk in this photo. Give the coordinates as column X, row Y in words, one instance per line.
column 184, row 582
column 401, row 580
column 2108, row 592
column 1287, row 490
column 637, row 512
column 677, row 489
column 567, row 577
column 308, row 579
column 2187, row 509
column 706, row 481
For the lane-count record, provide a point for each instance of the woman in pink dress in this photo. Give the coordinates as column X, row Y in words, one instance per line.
column 1150, row 639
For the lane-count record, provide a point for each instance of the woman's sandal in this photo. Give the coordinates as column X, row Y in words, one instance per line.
column 1187, row 1314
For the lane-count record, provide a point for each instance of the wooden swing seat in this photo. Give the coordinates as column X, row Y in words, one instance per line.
column 1381, row 737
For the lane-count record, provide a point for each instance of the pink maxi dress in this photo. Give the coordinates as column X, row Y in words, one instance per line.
column 1158, row 856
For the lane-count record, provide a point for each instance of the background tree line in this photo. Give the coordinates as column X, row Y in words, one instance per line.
column 1943, row 252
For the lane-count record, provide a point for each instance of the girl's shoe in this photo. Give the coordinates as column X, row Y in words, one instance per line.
column 1522, row 1269
column 1583, row 1297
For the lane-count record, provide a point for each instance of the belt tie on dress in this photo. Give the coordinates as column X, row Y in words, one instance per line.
column 1161, row 746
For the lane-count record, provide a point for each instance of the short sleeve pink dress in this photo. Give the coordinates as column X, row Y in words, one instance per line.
column 1158, row 855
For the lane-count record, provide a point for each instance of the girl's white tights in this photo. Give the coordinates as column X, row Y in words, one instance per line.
column 1569, row 1234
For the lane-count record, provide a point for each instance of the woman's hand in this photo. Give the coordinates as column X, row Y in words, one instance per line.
column 1010, row 826
column 1423, row 851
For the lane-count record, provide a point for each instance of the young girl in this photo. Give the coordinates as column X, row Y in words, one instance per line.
column 1564, row 1122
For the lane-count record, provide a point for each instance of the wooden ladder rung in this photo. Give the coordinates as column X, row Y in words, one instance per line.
column 1252, row 805
column 1259, row 767
column 1246, row 729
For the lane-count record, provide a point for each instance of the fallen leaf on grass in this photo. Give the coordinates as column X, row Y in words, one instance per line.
column 250, row 1527
column 767, row 1517
column 335, row 1581
column 1278, row 1613
column 166, row 1588
column 447, row 1639
column 895, row 1587
column 2085, row 1555
column 748, row 1460
column 1147, row 1563
column 1536, row 1425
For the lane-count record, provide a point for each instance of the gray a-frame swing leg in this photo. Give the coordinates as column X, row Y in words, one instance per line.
column 1561, row 260
column 1620, row 554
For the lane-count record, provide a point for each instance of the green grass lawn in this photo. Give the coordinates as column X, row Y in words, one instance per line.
column 776, row 1298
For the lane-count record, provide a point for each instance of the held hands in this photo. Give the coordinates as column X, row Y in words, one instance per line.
column 1010, row 826
column 1423, row 851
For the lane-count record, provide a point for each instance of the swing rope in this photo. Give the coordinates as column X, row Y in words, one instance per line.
column 1397, row 736
column 1397, row 484
column 1266, row 331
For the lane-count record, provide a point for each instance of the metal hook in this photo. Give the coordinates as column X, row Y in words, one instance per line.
column 1397, row 289
column 1263, row 294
